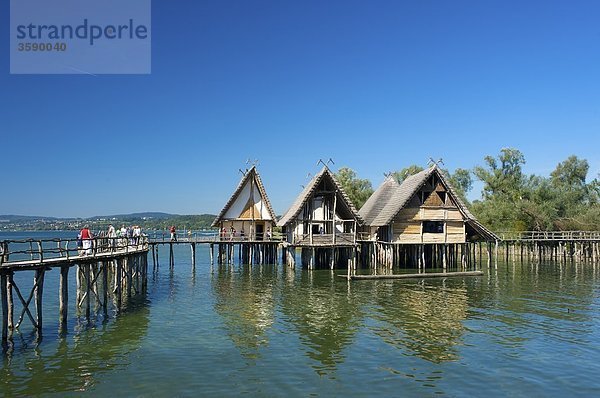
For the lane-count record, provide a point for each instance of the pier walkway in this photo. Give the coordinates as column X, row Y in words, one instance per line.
column 110, row 267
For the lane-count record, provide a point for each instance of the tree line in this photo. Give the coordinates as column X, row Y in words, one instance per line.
column 512, row 200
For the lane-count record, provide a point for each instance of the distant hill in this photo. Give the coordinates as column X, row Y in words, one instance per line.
column 147, row 220
column 144, row 215
column 18, row 218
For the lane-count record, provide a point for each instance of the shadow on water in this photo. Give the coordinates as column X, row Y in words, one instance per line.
column 76, row 362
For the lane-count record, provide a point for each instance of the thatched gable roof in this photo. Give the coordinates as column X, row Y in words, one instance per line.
column 378, row 202
column 385, row 203
column 252, row 173
column 308, row 192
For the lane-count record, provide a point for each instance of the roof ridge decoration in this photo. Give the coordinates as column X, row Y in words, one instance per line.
column 252, row 172
column 307, row 192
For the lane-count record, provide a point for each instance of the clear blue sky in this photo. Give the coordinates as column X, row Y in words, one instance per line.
column 376, row 86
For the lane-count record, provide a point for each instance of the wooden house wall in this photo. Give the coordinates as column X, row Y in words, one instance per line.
column 407, row 226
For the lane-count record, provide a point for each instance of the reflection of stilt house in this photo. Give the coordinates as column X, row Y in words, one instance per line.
column 321, row 221
column 248, row 211
column 423, row 219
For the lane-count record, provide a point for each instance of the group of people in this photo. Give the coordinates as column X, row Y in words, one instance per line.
column 117, row 237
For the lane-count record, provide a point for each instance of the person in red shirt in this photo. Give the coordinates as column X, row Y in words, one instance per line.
column 86, row 237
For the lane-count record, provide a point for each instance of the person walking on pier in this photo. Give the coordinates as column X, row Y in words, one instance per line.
column 86, row 238
column 173, row 234
column 112, row 236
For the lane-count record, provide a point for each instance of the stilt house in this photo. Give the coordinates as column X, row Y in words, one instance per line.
column 424, row 209
column 321, row 215
column 248, row 211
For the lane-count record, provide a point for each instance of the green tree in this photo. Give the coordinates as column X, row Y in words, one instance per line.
column 461, row 181
column 503, row 176
column 406, row 172
column 358, row 190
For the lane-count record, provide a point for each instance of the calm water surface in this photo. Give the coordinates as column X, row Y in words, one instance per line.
column 520, row 330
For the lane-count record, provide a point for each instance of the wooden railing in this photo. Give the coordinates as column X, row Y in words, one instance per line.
column 51, row 250
column 214, row 236
column 324, row 239
column 550, row 235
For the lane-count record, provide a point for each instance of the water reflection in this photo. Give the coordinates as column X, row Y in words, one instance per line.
column 76, row 363
column 326, row 315
column 244, row 298
column 421, row 318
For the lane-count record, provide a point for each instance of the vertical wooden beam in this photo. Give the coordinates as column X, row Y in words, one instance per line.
column 444, row 265
column 193, row 255
column 496, row 257
column 119, row 282
column 63, row 297
column 171, row 259
column 39, row 293
column 4, row 294
column 86, row 271
column 11, row 305
column 105, row 288
column 129, row 272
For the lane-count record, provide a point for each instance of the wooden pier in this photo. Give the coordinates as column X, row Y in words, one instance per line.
column 561, row 246
column 114, row 268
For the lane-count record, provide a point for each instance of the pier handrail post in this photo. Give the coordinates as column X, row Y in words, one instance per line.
column 40, row 251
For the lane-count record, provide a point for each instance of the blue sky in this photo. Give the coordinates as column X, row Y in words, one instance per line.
column 376, row 86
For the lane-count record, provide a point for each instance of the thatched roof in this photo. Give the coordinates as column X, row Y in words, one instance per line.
column 378, row 203
column 308, row 192
column 252, row 173
column 385, row 203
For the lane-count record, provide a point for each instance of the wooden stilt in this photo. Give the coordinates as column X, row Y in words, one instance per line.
column 87, row 279
column 119, row 282
column 193, row 255
column 4, row 294
column 105, row 288
column 63, row 297
column 11, row 304
column 39, row 294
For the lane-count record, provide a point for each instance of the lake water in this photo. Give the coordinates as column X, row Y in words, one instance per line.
column 521, row 330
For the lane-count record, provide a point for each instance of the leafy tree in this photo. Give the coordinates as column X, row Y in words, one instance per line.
column 358, row 190
column 406, row 172
column 503, row 176
column 461, row 181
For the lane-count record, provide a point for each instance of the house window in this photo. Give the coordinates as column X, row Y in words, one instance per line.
column 442, row 197
column 433, row 227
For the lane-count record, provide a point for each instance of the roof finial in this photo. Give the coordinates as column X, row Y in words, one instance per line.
column 432, row 162
column 330, row 160
column 252, row 163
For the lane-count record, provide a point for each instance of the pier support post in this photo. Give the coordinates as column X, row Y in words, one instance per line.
column 129, row 274
column 153, row 257
column 105, row 288
column 86, row 270
column 212, row 254
column 39, row 293
column 11, row 305
column 4, row 294
column 63, row 298
column 193, row 255
column 119, row 282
